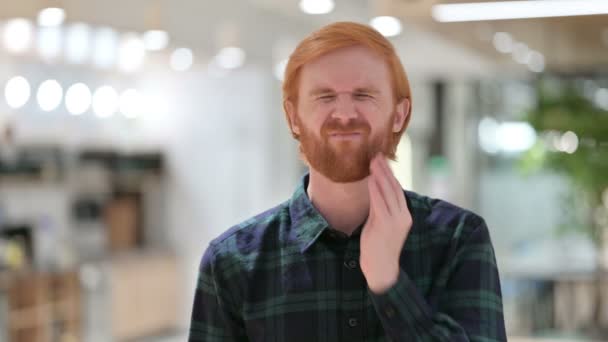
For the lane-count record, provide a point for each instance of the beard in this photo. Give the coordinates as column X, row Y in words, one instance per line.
column 348, row 160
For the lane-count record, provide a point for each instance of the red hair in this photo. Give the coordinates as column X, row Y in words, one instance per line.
column 341, row 35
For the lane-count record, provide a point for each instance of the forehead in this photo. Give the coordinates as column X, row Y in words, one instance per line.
column 345, row 69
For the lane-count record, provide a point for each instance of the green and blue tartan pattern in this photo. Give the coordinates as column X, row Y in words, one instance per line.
column 285, row 275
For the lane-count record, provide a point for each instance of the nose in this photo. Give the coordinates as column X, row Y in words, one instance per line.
column 345, row 108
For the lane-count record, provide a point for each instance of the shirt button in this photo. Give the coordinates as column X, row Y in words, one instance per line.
column 352, row 264
column 390, row 312
column 353, row 322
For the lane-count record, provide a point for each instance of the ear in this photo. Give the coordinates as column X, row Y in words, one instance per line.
column 291, row 115
column 402, row 110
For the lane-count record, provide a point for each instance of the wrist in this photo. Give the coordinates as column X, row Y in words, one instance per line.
column 385, row 282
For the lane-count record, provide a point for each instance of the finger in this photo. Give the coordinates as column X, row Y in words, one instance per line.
column 371, row 211
column 398, row 191
column 386, row 188
column 376, row 201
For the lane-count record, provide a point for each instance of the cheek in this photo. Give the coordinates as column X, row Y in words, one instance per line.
column 371, row 106
column 383, row 125
column 311, row 118
column 308, row 125
column 376, row 109
column 375, row 115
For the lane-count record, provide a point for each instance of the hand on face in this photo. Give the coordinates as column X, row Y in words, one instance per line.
column 386, row 229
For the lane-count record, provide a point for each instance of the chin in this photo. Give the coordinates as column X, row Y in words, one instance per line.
column 347, row 176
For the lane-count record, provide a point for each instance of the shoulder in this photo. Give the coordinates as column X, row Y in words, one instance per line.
column 437, row 216
column 247, row 236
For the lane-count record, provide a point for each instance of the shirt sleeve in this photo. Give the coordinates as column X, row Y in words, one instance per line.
column 469, row 309
column 214, row 317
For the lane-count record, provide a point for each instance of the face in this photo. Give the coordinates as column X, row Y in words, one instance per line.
column 345, row 113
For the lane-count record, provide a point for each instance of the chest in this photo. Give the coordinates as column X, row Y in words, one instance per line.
column 320, row 295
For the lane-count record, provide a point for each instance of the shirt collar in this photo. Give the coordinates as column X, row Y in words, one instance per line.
column 307, row 224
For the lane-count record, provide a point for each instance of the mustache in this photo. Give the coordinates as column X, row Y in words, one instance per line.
column 336, row 126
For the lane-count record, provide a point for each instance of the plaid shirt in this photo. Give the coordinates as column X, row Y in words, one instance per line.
column 285, row 275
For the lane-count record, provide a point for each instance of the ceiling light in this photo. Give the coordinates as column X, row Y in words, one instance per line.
column 230, row 57
column 78, row 99
column 155, row 40
column 17, row 92
column 105, row 101
column 132, row 52
column 521, row 53
column 316, row 6
column 78, row 43
column 181, row 59
column 477, row 11
column 536, row 61
column 105, row 47
column 49, row 42
column 387, row 26
column 49, row 95
column 18, row 35
column 52, row 16
column 503, row 42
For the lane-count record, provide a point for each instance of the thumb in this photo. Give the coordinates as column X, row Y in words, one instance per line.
column 371, row 211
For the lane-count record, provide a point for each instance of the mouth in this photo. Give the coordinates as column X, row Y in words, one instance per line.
column 345, row 135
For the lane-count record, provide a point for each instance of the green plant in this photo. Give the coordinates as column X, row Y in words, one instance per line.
column 562, row 107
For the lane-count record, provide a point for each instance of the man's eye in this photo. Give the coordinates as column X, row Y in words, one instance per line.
column 363, row 96
column 326, row 98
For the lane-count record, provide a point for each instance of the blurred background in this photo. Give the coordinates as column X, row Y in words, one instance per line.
column 134, row 132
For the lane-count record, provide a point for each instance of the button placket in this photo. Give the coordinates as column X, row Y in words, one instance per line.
column 390, row 311
column 353, row 279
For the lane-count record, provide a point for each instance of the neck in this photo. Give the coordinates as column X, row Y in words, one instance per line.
column 343, row 205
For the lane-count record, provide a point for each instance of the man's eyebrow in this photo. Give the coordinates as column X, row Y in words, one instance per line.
column 319, row 91
column 325, row 90
column 367, row 90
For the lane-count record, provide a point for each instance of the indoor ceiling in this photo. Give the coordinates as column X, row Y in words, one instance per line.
column 569, row 44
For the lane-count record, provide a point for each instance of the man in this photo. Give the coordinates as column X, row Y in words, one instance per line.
column 351, row 256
